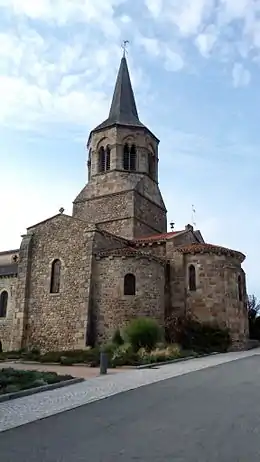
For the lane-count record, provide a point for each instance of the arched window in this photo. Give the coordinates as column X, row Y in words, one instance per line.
column 240, row 288
column 55, row 276
column 3, row 303
column 104, row 159
column 108, row 158
column 129, row 284
column 132, row 161
column 151, row 165
column 192, row 278
column 129, row 157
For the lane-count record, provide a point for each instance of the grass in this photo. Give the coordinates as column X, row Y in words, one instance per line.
column 12, row 380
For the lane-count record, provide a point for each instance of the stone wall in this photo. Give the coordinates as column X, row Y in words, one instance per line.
column 59, row 321
column 113, row 308
column 216, row 296
column 6, row 324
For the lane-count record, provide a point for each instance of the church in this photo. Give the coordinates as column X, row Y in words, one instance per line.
column 75, row 279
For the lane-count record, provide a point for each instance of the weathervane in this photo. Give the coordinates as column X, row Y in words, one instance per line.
column 124, row 46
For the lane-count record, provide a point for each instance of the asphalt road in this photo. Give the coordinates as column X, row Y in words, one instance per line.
column 210, row 415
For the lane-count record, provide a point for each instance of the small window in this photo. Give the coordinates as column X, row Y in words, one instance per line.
column 129, row 284
column 126, row 157
column 3, row 303
column 55, row 277
column 240, row 288
column 192, row 278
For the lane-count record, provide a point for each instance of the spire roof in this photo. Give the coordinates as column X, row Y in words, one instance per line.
column 123, row 109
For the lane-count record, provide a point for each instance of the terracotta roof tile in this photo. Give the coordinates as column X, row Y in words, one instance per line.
column 157, row 237
column 209, row 248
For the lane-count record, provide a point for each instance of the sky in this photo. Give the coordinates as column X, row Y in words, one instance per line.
column 195, row 68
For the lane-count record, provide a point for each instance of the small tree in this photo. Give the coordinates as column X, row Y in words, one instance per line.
column 143, row 333
column 253, row 308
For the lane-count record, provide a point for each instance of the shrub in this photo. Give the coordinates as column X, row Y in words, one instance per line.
column 65, row 361
column 117, row 338
column 143, row 333
column 199, row 337
column 159, row 354
column 123, row 355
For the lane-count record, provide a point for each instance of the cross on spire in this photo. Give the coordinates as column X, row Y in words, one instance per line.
column 124, row 46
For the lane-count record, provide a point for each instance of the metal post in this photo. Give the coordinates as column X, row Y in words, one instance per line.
column 103, row 363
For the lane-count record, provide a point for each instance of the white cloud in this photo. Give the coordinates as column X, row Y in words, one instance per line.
column 206, row 41
column 241, row 76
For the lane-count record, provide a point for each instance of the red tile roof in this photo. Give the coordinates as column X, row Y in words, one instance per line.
column 210, row 248
column 127, row 252
column 157, row 237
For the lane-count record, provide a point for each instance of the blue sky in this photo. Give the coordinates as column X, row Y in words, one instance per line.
column 195, row 70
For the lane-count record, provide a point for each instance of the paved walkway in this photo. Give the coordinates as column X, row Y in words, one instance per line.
column 83, row 372
column 28, row 409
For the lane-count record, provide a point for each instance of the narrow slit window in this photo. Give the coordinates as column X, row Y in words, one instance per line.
column 129, row 284
column 192, row 278
column 55, row 277
column 3, row 303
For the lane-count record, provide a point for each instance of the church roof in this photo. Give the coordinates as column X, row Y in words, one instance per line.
column 157, row 237
column 123, row 110
column 210, row 248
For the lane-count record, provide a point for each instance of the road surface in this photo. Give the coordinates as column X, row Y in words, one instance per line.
column 212, row 415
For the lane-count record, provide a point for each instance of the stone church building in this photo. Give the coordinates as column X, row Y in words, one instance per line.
column 75, row 279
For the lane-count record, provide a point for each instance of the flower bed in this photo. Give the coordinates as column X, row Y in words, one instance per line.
column 12, row 381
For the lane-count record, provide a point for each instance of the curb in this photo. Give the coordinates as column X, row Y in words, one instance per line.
column 33, row 391
column 172, row 361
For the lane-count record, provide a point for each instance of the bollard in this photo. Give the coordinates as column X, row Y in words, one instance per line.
column 103, row 363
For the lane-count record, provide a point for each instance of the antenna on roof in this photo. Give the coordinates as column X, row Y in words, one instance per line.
column 193, row 215
column 124, row 46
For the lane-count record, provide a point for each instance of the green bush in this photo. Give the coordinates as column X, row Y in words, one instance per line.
column 143, row 333
column 117, row 338
column 200, row 337
column 65, row 361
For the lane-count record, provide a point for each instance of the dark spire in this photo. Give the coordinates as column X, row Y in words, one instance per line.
column 123, row 108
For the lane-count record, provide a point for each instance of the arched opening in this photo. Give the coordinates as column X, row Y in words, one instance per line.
column 192, row 278
column 132, row 160
column 129, row 157
column 240, row 288
column 55, row 276
column 151, row 165
column 129, row 284
column 3, row 303
column 102, row 159
column 108, row 150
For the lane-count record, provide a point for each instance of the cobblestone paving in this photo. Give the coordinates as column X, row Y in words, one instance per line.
column 28, row 409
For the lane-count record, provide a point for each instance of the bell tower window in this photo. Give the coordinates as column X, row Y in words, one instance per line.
column 104, row 158
column 151, row 165
column 129, row 157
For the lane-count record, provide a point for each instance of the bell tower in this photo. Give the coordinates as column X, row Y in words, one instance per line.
column 122, row 195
